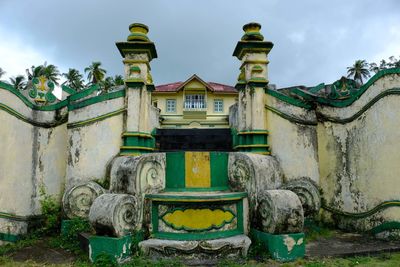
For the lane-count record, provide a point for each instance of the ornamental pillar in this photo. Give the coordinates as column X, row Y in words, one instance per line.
column 137, row 52
column 253, row 52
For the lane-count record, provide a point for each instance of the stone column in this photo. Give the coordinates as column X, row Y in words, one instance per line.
column 137, row 52
column 252, row 51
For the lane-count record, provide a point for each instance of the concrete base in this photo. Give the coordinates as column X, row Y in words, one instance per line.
column 284, row 247
column 117, row 249
column 197, row 251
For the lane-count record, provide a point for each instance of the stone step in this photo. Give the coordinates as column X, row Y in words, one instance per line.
column 197, row 252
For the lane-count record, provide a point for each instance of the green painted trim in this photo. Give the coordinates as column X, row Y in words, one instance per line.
column 219, row 170
column 289, row 117
column 136, row 147
column 386, row 226
column 240, row 219
column 244, row 47
column 175, row 170
column 68, row 89
column 196, row 198
column 96, row 99
column 28, row 103
column 250, row 146
column 198, row 236
column 137, row 47
column 14, row 217
column 198, row 189
column 348, row 101
column 84, row 93
column 21, row 117
column 288, row 99
column 96, row 119
column 212, row 227
column 393, row 91
column 276, row 246
column 253, row 132
column 382, row 206
column 139, row 134
column 317, row 88
column 9, row 237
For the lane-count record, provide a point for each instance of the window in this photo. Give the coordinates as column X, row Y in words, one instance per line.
column 194, row 102
column 218, row 105
column 171, row 105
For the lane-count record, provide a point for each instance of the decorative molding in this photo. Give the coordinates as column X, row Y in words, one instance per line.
column 182, row 218
column 21, row 117
column 290, row 117
column 360, row 215
column 95, row 119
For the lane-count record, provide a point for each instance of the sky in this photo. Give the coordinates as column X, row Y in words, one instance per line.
column 314, row 40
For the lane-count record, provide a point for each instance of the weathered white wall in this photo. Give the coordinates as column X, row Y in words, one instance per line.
column 293, row 144
column 359, row 160
column 33, row 159
column 92, row 147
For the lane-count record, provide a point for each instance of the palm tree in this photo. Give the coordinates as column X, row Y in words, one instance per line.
column 74, row 79
column 2, row 72
column 358, row 71
column 119, row 80
column 107, row 84
column 49, row 71
column 95, row 73
column 18, row 82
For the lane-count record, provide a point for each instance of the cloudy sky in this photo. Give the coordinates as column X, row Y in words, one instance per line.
column 314, row 40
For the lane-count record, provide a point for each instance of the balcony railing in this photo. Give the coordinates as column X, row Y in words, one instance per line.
column 194, row 106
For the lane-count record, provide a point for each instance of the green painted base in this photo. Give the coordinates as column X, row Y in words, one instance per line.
column 65, row 227
column 254, row 141
column 285, row 247
column 9, row 237
column 113, row 248
column 137, row 143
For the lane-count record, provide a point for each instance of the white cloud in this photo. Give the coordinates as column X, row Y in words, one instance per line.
column 16, row 56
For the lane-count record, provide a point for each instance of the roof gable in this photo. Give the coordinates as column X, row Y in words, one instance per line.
column 213, row 87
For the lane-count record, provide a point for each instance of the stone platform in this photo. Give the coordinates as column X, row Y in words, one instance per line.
column 197, row 252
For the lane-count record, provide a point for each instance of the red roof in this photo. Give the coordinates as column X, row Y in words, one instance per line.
column 215, row 87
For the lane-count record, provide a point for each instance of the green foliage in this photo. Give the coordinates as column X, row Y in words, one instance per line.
column 69, row 239
column 51, row 72
column 358, row 71
column 51, row 213
column 105, row 260
column 95, row 74
column 144, row 262
column 105, row 183
column 18, row 82
column 258, row 251
column 74, row 79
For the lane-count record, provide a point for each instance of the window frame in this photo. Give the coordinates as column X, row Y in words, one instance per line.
column 167, row 106
column 219, row 100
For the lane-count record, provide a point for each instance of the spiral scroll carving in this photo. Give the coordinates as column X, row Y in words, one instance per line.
column 115, row 214
column 241, row 172
column 307, row 190
column 78, row 199
column 279, row 211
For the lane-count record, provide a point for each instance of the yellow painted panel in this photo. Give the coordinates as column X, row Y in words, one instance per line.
column 197, row 169
column 198, row 219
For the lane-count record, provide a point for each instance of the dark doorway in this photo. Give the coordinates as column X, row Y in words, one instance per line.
column 194, row 140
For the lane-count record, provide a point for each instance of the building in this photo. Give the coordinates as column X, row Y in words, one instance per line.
column 194, row 103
